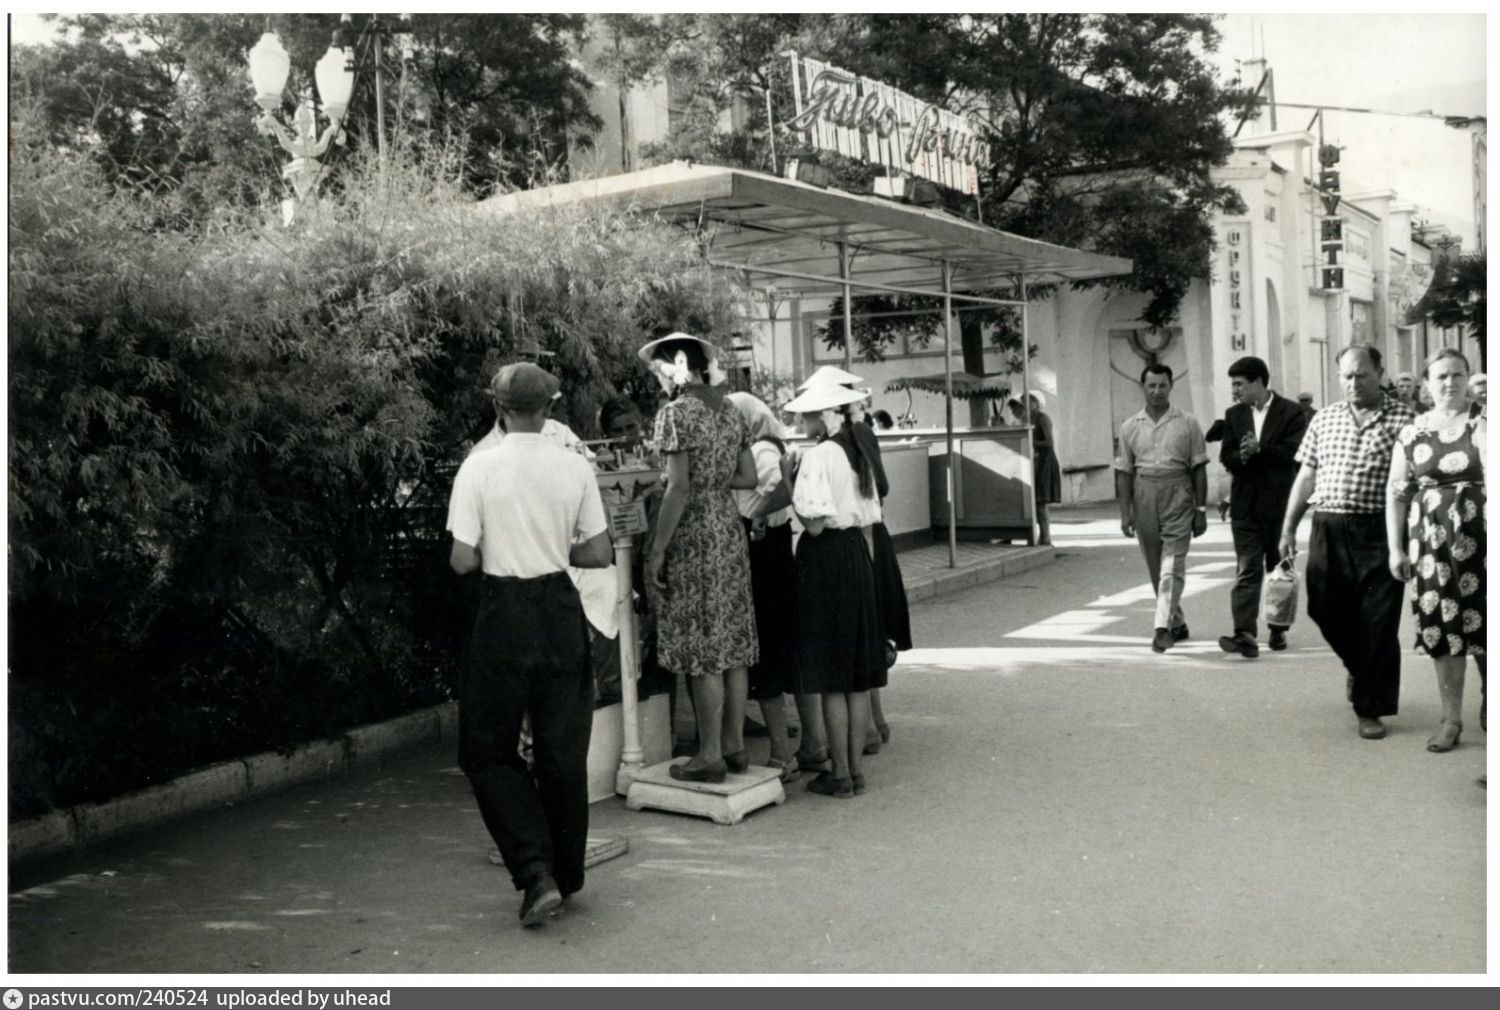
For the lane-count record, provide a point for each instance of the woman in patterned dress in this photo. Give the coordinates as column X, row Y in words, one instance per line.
column 1436, row 497
column 698, row 563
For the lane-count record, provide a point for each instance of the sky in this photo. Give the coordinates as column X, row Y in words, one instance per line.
column 1392, row 62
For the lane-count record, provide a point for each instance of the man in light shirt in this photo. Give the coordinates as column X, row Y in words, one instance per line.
column 1162, row 486
column 1261, row 434
column 523, row 511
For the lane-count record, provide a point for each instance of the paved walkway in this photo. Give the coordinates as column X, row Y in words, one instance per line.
column 1056, row 798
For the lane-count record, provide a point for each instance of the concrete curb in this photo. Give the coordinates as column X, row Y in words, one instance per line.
column 231, row 781
column 926, row 587
column 225, row 783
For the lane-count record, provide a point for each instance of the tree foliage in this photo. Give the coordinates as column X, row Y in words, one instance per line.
column 166, row 98
column 231, row 445
column 1106, row 126
column 1457, row 298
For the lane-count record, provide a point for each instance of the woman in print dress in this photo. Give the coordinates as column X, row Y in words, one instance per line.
column 1435, row 501
column 698, row 564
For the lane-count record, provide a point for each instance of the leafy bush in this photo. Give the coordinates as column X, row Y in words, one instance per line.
column 231, row 446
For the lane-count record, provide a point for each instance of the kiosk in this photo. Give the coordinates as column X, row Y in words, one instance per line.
column 786, row 237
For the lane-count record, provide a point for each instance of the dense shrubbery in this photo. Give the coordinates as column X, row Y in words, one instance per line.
column 230, row 447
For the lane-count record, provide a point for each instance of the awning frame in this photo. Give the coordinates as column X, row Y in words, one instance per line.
column 809, row 225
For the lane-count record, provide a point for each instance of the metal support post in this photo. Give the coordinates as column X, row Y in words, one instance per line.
column 948, row 405
column 848, row 309
column 1026, row 399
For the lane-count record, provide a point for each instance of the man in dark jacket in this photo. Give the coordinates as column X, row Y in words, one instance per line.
column 1261, row 434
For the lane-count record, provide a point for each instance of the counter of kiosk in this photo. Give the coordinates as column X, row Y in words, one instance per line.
column 993, row 484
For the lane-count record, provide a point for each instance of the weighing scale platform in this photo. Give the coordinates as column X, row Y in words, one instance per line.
column 724, row 802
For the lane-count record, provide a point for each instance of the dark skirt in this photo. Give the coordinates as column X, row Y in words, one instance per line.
column 840, row 640
column 1048, row 478
column 890, row 590
column 773, row 583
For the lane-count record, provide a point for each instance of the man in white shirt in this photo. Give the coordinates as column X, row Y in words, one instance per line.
column 523, row 511
column 1262, row 432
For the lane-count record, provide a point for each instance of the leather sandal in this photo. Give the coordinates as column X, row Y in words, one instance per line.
column 1446, row 737
column 819, row 763
column 790, row 771
column 714, row 772
column 826, row 785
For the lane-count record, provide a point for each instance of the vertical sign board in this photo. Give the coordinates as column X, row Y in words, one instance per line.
column 1331, row 226
column 870, row 121
column 1237, row 280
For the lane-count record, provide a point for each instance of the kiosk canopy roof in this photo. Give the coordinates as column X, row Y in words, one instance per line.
column 785, row 234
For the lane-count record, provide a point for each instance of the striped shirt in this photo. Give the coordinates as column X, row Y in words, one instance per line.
column 1353, row 462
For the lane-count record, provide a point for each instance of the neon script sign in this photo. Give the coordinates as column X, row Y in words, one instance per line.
column 859, row 118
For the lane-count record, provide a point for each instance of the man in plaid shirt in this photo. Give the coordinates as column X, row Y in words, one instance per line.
column 1351, row 596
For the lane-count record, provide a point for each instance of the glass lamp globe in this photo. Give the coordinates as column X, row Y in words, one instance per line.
column 335, row 82
column 269, row 65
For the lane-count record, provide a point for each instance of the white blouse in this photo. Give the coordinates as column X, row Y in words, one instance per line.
column 767, row 478
column 828, row 489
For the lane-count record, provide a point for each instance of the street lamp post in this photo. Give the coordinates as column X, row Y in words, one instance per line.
column 334, row 75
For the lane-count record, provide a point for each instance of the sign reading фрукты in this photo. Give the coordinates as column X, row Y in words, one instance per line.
column 856, row 117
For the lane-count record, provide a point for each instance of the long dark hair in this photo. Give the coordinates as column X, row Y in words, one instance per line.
column 864, row 472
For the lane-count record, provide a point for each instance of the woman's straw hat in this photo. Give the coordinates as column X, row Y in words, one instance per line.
column 648, row 349
column 830, row 375
column 821, row 397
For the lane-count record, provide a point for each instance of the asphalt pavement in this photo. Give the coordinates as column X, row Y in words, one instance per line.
column 1056, row 798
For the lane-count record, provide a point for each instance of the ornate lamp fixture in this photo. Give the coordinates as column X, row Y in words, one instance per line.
column 334, row 75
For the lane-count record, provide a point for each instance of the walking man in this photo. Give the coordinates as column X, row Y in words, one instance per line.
column 523, row 511
column 1351, row 596
column 1261, row 434
column 1163, row 490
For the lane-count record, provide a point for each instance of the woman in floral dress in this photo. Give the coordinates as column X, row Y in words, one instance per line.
column 1436, row 498
column 698, row 563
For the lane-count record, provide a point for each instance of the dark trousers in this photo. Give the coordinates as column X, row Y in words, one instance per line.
column 1256, row 551
column 529, row 653
column 1357, row 606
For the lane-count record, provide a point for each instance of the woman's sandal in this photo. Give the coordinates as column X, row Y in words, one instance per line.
column 790, row 771
column 713, row 773
column 1446, row 737
column 821, row 763
column 826, row 785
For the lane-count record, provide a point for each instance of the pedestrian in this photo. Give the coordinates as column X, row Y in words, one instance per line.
column 1406, row 388
column 766, row 513
column 1162, row 486
column 890, row 587
column 1478, row 385
column 882, row 419
column 698, row 564
column 1436, row 499
column 1306, row 400
column 1262, row 432
column 522, row 512
column 840, row 639
column 1047, row 487
column 1351, row 596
